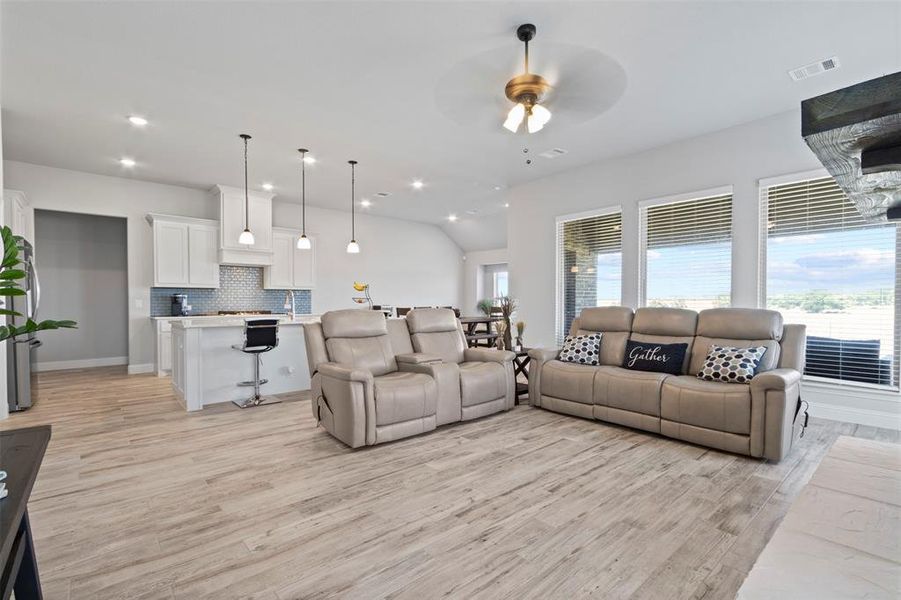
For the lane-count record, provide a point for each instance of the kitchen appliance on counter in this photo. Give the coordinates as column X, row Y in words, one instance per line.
column 21, row 383
column 180, row 306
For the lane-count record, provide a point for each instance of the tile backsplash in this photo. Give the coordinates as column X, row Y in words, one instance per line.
column 240, row 288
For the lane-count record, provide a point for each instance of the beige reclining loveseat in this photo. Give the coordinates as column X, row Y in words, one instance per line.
column 375, row 380
column 760, row 419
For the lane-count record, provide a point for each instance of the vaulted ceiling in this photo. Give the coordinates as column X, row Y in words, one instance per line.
column 393, row 85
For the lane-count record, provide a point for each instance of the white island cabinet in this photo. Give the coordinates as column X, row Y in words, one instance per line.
column 206, row 369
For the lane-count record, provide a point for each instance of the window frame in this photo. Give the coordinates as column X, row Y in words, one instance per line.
column 643, row 205
column 558, row 266
column 763, row 186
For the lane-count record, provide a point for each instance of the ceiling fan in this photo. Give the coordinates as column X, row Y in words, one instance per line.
column 526, row 91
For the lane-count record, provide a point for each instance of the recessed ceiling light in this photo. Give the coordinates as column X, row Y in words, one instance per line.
column 365, row 203
column 417, row 183
column 451, row 218
column 137, row 121
column 497, row 188
column 309, row 160
column 506, row 205
column 268, row 187
column 127, row 162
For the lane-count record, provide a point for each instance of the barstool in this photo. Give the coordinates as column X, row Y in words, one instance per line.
column 260, row 335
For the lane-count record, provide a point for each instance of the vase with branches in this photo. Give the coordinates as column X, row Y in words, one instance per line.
column 507, row 307
column 10, row 276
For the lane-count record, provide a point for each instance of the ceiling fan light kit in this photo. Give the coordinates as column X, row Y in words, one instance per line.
column 526, row 91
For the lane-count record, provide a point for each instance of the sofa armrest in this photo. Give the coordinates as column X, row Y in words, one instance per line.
column 537, row 358
column 487, row 355
column 544, row 354
column 346, row 403
column 344, row 372
column 777, row 379
column 417, row 358
column 774, row 399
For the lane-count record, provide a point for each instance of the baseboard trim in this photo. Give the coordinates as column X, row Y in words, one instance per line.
column 137, row 369
column 860, row 416
column 87, row 363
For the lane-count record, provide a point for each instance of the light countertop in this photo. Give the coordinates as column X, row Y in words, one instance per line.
column 238, row 321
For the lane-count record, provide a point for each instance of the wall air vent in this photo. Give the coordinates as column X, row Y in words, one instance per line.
column 553, row 153
column 817, row 68
column 383, row 194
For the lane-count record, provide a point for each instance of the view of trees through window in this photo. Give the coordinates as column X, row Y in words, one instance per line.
column 828, row 268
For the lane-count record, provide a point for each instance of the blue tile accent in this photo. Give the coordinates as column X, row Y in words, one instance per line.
column 240, row 288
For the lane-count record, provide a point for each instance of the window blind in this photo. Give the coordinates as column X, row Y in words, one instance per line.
column 589, row 266
column 686, row 253
column 826, row 267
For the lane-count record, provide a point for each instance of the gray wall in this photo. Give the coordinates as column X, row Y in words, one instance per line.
column 83, row 270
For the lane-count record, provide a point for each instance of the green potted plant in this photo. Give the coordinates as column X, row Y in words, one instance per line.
column 10, row 275
column 485, row 305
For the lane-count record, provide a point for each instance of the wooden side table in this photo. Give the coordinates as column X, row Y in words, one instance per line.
column 21, row 453
column 521, row 367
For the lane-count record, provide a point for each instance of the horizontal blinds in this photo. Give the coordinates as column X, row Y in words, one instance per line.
column 837, row 273
column 589, row 265
column 686, row 253
column 689, row 222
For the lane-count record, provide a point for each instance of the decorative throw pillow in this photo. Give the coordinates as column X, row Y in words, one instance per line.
column 581, row 349
column 659, row 358
column 731, row 365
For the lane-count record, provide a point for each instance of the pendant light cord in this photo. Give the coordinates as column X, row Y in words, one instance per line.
column 303, row 192
column 353, row 180
column 246, row 195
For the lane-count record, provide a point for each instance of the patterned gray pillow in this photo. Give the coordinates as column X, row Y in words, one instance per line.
column 731, row 365
column 581, row 349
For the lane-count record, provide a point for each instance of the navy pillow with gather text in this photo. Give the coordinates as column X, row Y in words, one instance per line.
column 658, row 358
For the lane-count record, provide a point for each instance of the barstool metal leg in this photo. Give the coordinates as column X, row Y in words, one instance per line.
column 257, row 399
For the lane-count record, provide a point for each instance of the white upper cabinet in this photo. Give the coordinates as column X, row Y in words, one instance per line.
column 185, row 252
column 18, row 215
column 291, row 269
column 232, row 219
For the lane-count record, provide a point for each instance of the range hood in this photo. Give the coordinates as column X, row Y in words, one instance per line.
column 856, row 134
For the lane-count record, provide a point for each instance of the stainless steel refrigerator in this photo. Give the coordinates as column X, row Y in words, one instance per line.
column 20, row 353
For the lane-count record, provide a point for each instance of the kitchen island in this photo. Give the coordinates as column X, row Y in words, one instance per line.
column 206, row 369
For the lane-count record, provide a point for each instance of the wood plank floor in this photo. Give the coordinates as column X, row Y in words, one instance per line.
column 138, row 499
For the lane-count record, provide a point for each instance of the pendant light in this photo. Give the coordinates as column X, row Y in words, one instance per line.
column 246, row 236
column 352, row 247
column 303, row 242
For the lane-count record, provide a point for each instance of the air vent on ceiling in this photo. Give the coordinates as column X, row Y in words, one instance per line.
column 553, row 153
column 472, row 211
column 817, row 68
column 383, row 194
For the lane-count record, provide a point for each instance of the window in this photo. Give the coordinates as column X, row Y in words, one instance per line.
column 826, row 267
column 686, row 253
column 500, row 284
column 589, row 265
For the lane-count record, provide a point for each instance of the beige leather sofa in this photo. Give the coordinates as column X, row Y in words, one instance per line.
column 372, row 382
column 759, row 419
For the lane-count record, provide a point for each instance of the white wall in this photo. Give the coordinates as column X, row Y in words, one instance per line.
column 403, row 261
column 739, row 156
column 4, row 407
column 82, row 263
column 473, row 271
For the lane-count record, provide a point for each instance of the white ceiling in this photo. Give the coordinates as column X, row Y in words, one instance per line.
column 369, row 81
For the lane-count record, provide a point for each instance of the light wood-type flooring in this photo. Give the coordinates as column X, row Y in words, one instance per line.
column 139, row 499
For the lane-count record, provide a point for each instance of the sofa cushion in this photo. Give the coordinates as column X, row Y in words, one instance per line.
column 708, row 404
column 448, row 345
column 614, row 322
column 568, row 381
column 353, row 323
column 740, row 323
column 482, row 382
column 402, row 396
column 581, row 349
column 731, row 365
column 670, row 322
column 373, row 354
column 636, row 391
column 656, row 358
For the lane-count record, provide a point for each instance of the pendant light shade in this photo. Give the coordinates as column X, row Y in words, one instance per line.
column 246, row 237
column 303, row 242
column 352, row 247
